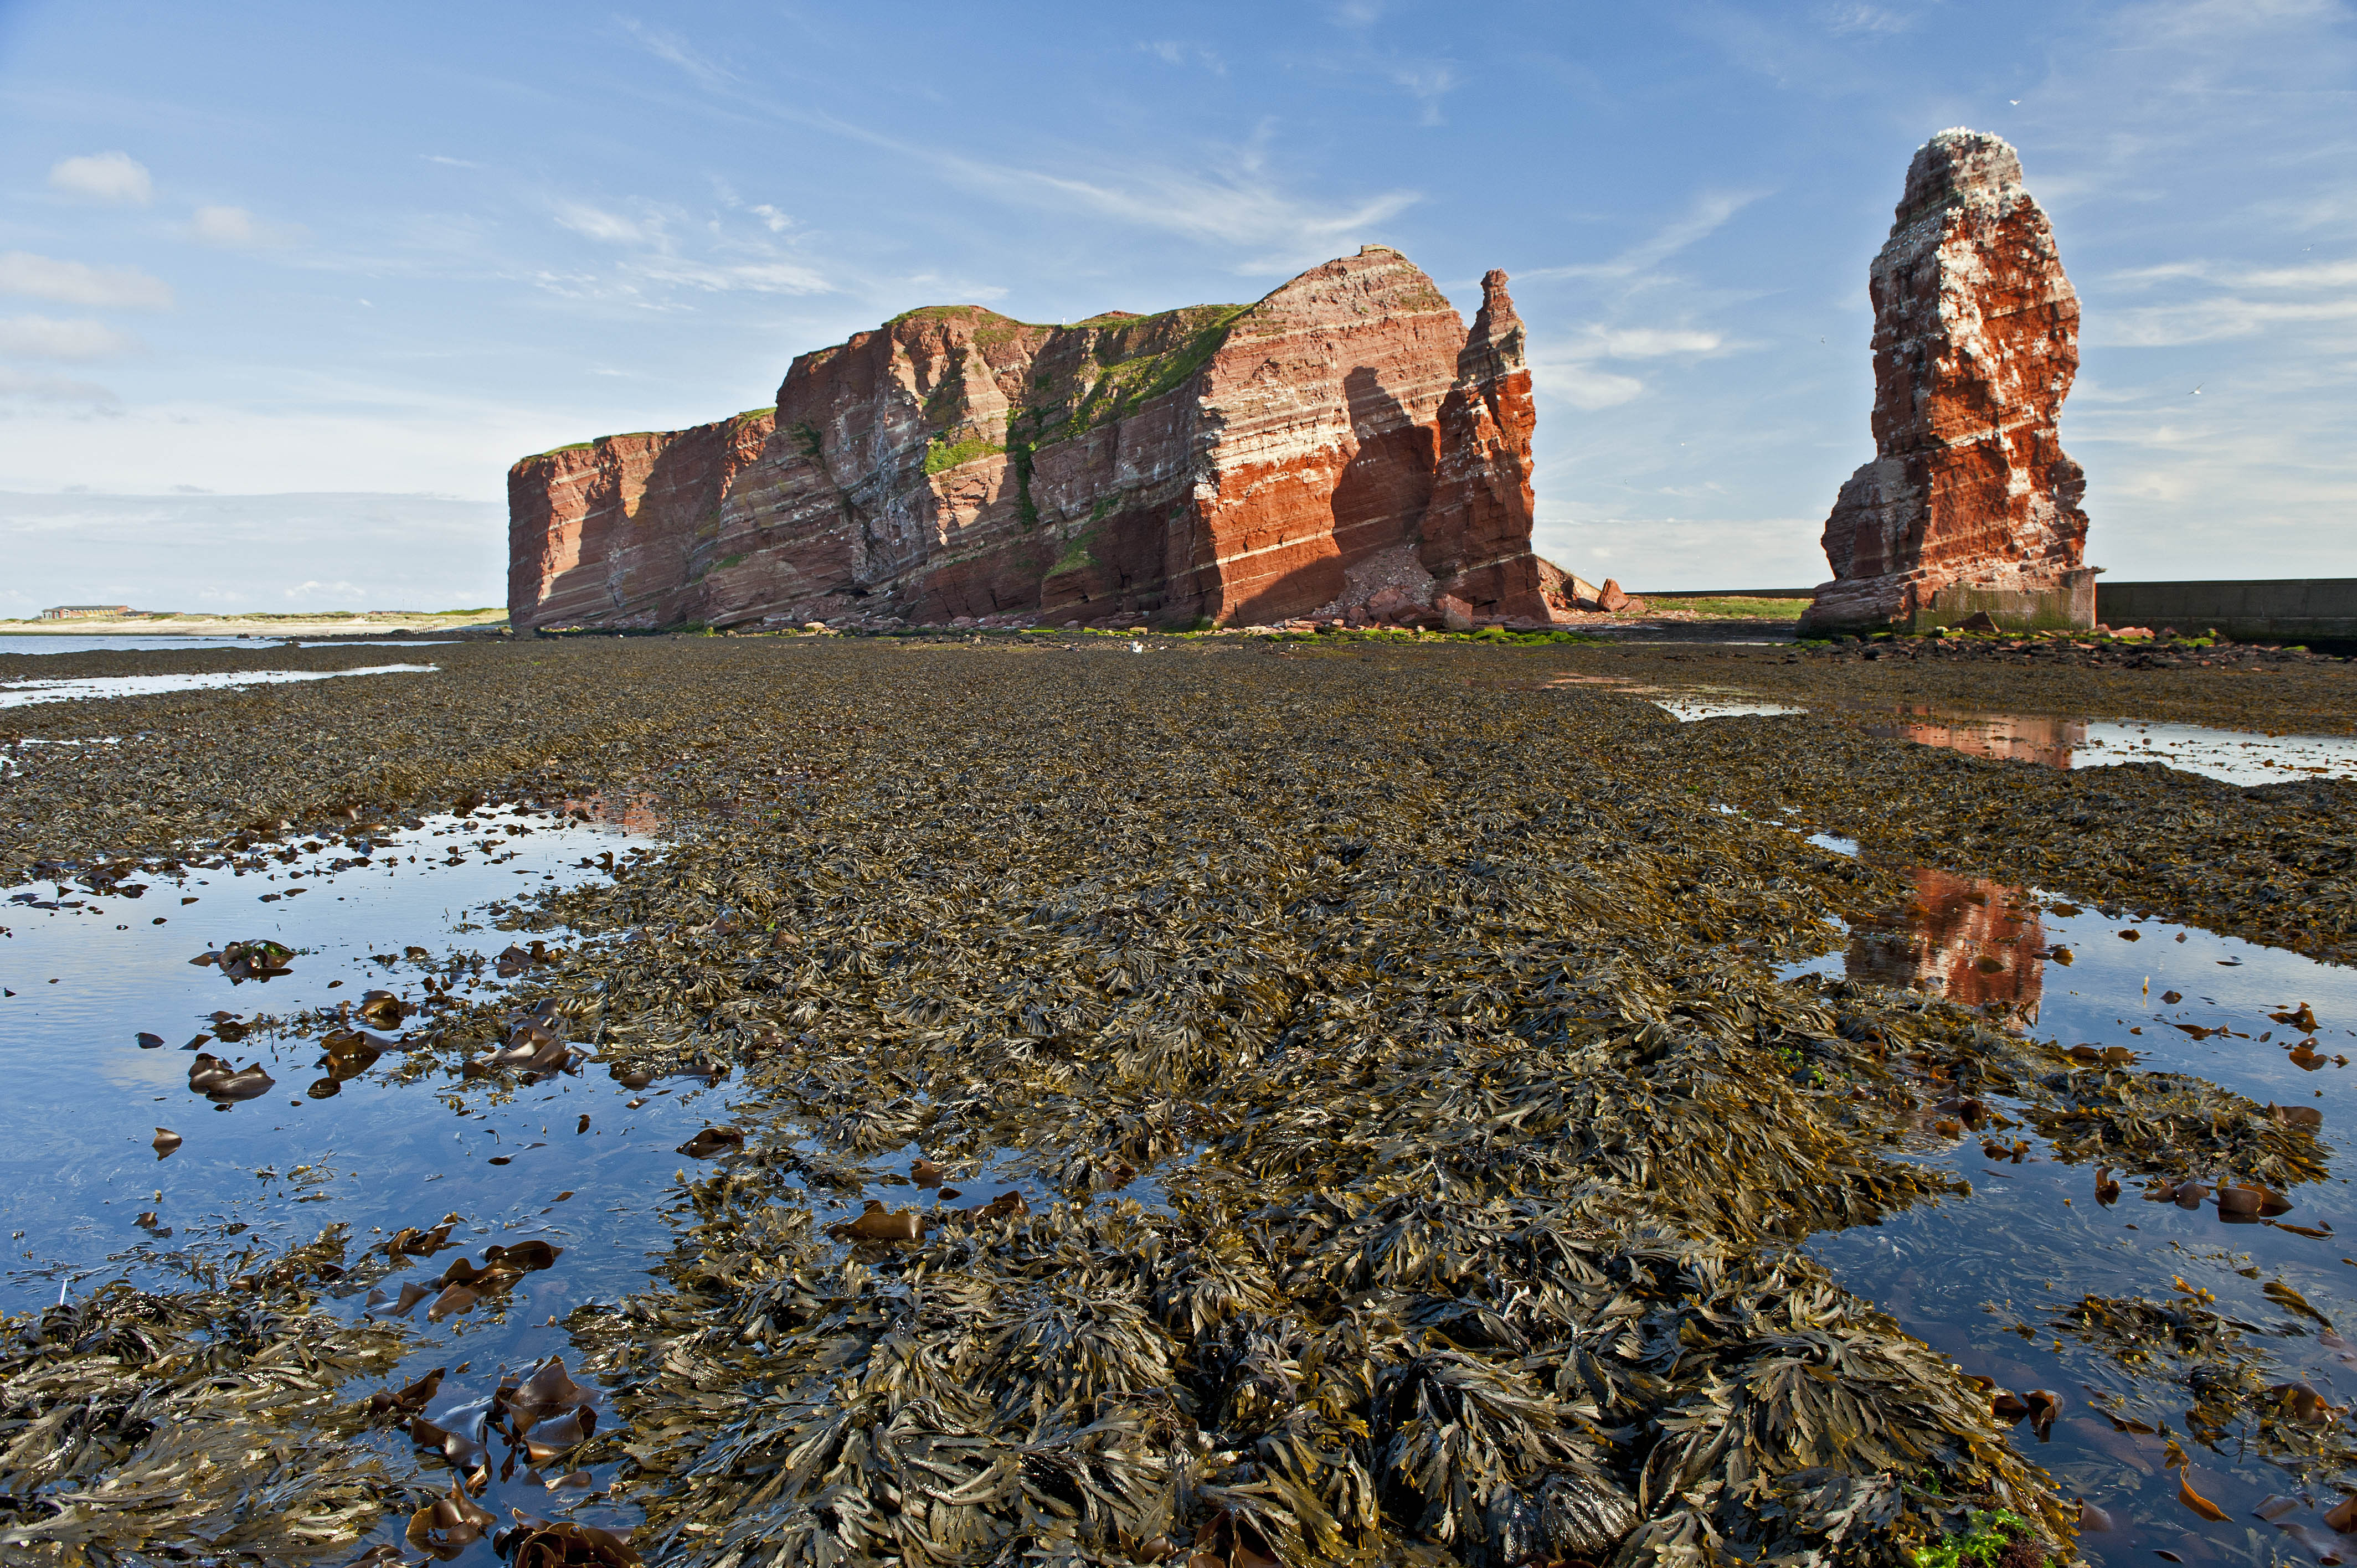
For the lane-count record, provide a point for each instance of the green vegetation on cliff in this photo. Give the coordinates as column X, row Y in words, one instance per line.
column 940, row 455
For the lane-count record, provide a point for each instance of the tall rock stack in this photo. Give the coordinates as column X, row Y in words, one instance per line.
column 1969, row 504
column 1343, row 442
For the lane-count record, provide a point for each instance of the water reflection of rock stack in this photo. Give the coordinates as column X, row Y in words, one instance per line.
column 2006, row 738
column 1975, row 941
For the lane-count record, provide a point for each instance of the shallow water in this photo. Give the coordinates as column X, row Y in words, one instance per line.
column 2231, row 756
column 403, row 1144
column 159, row 642
column 1986, row 1278
column 1710, row 704
column 17, row 693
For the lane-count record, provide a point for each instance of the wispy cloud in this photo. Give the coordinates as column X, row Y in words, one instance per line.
column 236, row 229
column 1861, row 19
column 104, row 176
column 1577, row 382
column 1704, row 217
column 664, row 249
column 1229, row 198
column 2222, row 301
column 1653, row 342
column 1428, row 85
column 1178, row 52
column 610, row 227
column 41, row 337
column 2209, row 320
column 77, row 282
column 30, row 386
column 1237, row 207
column 749, row 277
column 1564, row 364
column 672, row 50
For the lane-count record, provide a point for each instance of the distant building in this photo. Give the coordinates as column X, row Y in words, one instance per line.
column 83, row 612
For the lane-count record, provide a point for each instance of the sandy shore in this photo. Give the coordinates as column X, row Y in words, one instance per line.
column 373, row 624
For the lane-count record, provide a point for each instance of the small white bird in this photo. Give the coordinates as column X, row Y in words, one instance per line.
column 2197, row 391
column 2014, row 102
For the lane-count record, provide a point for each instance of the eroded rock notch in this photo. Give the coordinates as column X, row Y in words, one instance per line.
column 1341, row 441
column 1969, row 504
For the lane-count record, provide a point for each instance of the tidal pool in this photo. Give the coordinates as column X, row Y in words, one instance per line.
column 2000, row 1280
column 17, row 693
column 39, row 642
column 2231, row 756
column 104, row 1015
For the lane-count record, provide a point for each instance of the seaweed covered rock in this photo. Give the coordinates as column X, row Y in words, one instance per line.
column 1416, row 1179
column 1344, row 435
column 204, row 1423
column 1970, row 505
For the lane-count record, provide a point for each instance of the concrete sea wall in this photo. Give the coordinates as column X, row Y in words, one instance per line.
column 2287, row 609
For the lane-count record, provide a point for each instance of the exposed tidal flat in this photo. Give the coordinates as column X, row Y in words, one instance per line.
column 1107, row 1100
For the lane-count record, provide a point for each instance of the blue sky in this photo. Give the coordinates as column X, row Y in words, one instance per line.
column 260, row 249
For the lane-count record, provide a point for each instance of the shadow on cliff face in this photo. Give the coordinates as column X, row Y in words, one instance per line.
column 1378, row 501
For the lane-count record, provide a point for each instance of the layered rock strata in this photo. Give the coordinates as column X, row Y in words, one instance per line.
column 1344, row 440
column 1969, row 504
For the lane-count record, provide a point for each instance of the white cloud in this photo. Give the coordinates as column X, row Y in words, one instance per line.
column 774, row 220
column 1581, row 384
column 33, row 387
column 747, row 277
column 249, row 551
column 236, row 229
column 1428, row 85
column 1171, row 51
column 2218, row 304
column 104, row 176
column 1704, row 216
column 1667, row 552
column 671, row 48
column 612, row 228
column 1653, row 342
column 1238, row 207
column 44, row 338
column 77, row 282
column 449, row 162
column 1857, row 18
column 2209, row 320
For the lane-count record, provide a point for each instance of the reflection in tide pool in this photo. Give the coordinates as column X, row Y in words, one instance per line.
column 105, row 1023
column 1975, row 942
column 2231, row 756
column 2015, row 1280
column 1711, row 705
column 2009, row 739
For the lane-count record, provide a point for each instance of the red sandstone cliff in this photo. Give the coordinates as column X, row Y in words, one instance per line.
column 1344, row 437
column 1970, row 503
